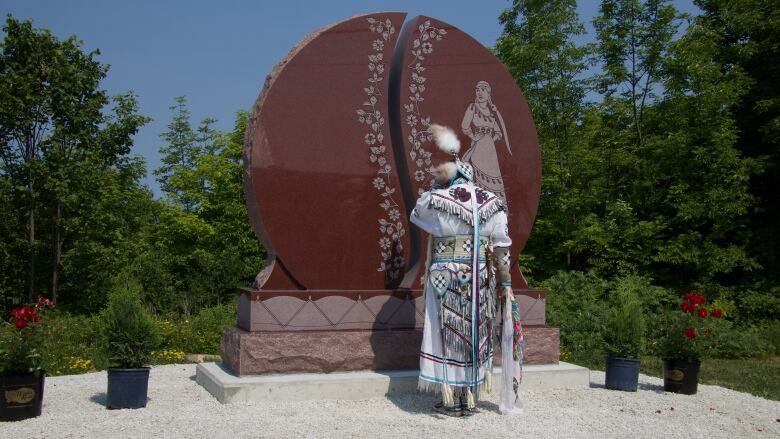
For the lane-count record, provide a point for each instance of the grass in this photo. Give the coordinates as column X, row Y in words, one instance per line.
column 757, row 376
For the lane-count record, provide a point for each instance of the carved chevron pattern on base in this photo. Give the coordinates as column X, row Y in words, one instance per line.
column 351, row 310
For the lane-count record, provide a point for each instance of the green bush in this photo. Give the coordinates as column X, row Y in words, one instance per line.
column 770, row 334
column 200, row 334
column 745, row 342
column 624, row 324
column 75, row 346
column 755, row 307
column 128, row 332
column 575, row 303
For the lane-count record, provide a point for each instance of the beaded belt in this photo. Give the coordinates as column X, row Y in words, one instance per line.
column 456, row 248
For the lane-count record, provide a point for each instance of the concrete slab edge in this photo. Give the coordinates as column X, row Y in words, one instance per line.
column 229, row 388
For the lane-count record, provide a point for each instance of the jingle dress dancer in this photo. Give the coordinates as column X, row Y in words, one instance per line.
column 468, row 243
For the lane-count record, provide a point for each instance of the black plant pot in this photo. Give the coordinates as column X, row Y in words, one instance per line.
column 127, row 388
column 622, row 373
column 681, row 376
column 22, row 395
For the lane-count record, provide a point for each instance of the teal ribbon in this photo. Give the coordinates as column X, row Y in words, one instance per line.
column 475, row 297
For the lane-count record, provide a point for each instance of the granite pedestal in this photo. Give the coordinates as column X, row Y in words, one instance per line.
column 229, row 388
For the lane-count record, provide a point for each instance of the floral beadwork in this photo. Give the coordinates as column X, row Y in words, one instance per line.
column 390, row 227
column 460, row 194
column 482, row 196
column 418, row 131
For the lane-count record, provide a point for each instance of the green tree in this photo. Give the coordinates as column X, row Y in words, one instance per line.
column 537, row 46
column 200, row 246
column 183, row 147
column 76, row 115
column 647, row 179
column 56, row 143
column 12, row 267
column 28, row 65
column 633, row 38
column 694, row 157
column 670, row 185
column 749, row 35
column 107, row 208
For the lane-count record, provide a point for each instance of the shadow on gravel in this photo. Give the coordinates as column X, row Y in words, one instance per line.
column 99, row 398
column 657, row 388
column 641, row 386
column 415, row 403
column 422, row 404
column 488, row 406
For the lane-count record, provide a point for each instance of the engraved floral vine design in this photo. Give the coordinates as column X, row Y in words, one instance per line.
column 391, row 228
column 418, row 131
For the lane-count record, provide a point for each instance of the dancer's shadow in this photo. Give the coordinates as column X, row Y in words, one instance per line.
column 415, row 402
column 395, row 342
column 488, row 406
column 395, row 345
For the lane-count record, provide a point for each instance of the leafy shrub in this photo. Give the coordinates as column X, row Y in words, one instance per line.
column 76, row 347
column 770, row 334
column 575, row 303
column 200, row 334
column 755, row 307
column 654, row 300
column 128, row 333
column 744, row 342
column 624, row 324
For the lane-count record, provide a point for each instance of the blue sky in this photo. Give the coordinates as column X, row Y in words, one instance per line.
column 218, row 53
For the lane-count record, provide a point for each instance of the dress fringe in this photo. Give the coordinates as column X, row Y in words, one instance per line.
column 436, row 388
column 486, row 211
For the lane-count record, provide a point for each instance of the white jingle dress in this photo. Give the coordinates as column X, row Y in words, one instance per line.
column 453, row 340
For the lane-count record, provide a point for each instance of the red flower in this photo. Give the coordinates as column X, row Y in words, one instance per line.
column 687, row 306
column 690, row 333
column 717, row 313
column 42, row 300
column 25, row 313
column 28, row 313
column 20, row 323
column 702, row 312
column 694, row 297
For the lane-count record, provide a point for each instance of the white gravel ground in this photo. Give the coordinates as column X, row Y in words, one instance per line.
column 178, row 407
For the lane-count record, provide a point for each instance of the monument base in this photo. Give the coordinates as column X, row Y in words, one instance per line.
column 253, row 353
column 339, row 310
column 229, row 388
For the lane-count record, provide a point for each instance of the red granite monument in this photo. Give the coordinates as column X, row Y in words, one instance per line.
column 336, row 153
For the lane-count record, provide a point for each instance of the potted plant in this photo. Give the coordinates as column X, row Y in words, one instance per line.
column 690, row 336
column 128, row 338
column 21, row 375
column 623, row 334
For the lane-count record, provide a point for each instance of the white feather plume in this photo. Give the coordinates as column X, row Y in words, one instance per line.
column 450, row 169
column 445, row 138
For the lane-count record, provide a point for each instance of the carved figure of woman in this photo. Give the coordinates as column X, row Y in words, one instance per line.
column 483, row 124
